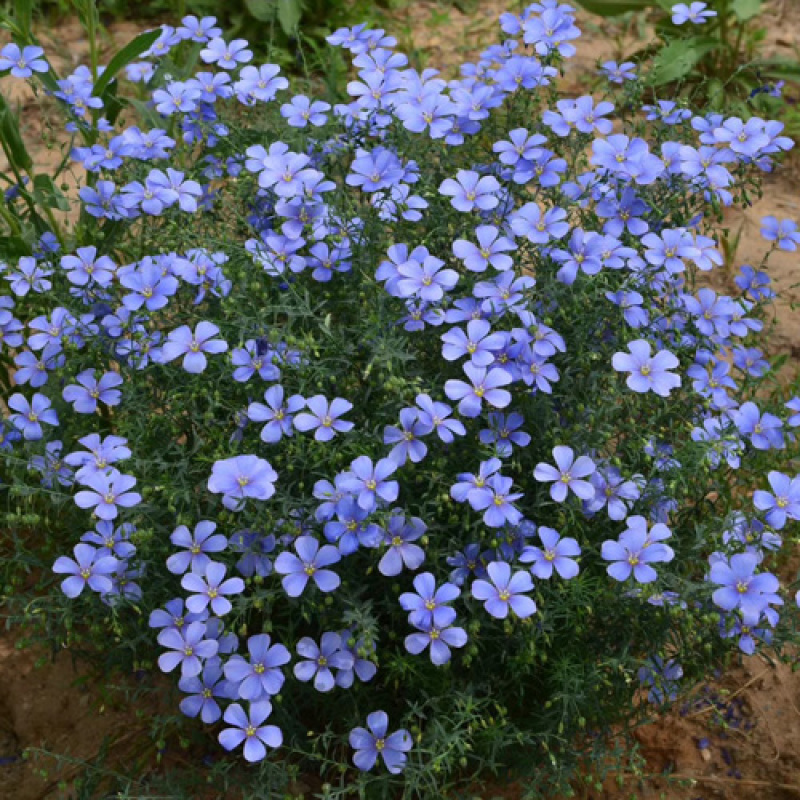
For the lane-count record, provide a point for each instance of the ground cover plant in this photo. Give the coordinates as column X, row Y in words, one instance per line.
column 401, row 434
column 712, row 52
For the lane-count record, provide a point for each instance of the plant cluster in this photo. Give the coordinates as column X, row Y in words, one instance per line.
column 406, row 433
column 711, row 52
column 291, row 31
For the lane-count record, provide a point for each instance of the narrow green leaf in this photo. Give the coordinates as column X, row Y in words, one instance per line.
column 678, row 59
column 778, row 68
column 289, row 13
column 613, row 8
column 746, row 9
column 11, row 138
column 23, row 13
column 262, row 10
column 12, row 247
column 145, row 112
column 121, row 59
column 48, row 194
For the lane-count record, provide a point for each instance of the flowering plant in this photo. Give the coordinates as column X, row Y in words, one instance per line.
column 406, row 433
column 711, row 51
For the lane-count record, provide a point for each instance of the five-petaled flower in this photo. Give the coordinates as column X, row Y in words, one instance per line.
column 741, row 587
column 250, row 729
column 503, row 591
column 106, row 492
column 567, row 475
column 375, row 740
column 324, row 417
column 309, row 563
column 649, row 373
column 193, row 345
column 89, row 568
column 241, row 477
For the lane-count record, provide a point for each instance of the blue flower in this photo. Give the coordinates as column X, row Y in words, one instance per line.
column 648, row 372
column 102, row 453
column 196, row 545
column 278, row 416
column 89, row 568
column 469, row 190
column 202, row 692
column 784, row 501
column 425, row 280
column 764, row 429
column 199, row 30
column 259, row 84
column 696, row 13
column 186, row 646
column 636, row 549
column 660, row 678
column 174, row 616
column 324, row 417
column 399, row 536
column 503, row 433
column 31, row 414
column 85, row 397
column 567, row 475
column 22, row 62
column 619, row 73
column 261, row 676
column 307, row 564
column 504, row 591
column 30, row 275
column 300, row 111
column 485, row 386
column 369, row 482
column 741, row 587
column 555, row 553
column 226, row 55
column 250, row 729
column 405, row 438
column 241, row 477
column 437, row 416
column 369, row 744
column 351, row 530
column 440, row 635
column 784, row 233
column 320, row 660
column 106, row 492
column 429, row 606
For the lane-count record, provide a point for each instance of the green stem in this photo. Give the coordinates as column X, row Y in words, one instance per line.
column 55, row 227
column 10, row 220
column 91, row 32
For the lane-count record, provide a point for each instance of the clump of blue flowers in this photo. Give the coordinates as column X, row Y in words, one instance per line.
column 410, row 405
